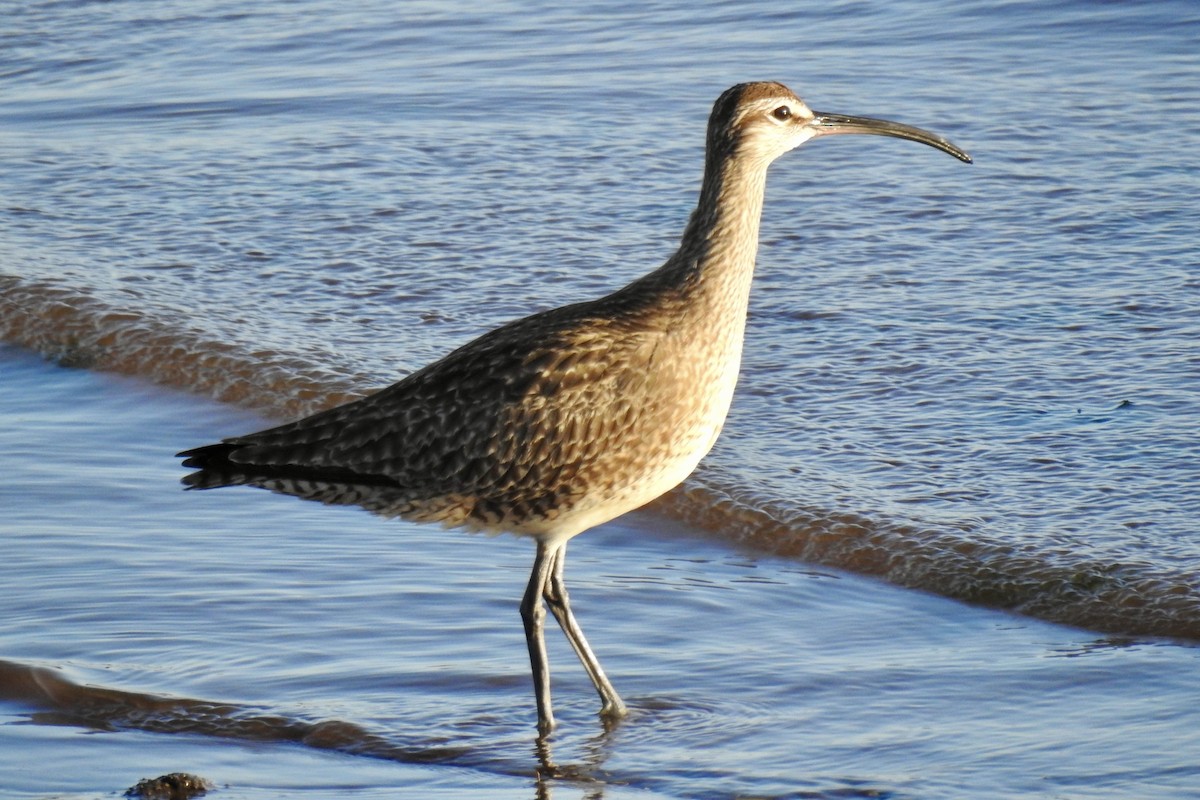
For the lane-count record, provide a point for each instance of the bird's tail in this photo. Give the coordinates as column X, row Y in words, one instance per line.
column 213, row 466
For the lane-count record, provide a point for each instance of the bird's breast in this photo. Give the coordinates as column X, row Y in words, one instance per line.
column 624, row 424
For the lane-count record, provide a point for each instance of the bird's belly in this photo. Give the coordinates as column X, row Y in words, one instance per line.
column 642, row 461
column 622, row 493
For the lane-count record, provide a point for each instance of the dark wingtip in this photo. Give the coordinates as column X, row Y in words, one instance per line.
column 205, row 479
column 203, row 456
column 209, row 461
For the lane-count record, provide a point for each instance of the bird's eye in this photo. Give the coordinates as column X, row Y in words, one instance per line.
column 782, row 113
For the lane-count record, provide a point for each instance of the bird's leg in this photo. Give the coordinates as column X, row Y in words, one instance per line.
column 555, row 594
column 533, row 614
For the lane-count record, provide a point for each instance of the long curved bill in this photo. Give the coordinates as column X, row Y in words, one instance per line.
column 829, row 124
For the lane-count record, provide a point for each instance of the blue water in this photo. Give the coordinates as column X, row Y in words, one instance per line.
column 977, row 381
column 289, row 648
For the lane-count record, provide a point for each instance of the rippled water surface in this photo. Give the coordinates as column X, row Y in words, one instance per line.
column 980, row 382
column 325, row 652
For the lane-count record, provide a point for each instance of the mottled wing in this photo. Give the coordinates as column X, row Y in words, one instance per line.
column 493, row 435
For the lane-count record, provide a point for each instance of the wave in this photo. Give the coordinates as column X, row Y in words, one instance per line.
column 75, row 329
column 52, row 698
column 957, row 560
column 57, row 700
column 961, row 562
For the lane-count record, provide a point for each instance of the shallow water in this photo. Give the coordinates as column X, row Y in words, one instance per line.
column 295, row 648
column 977, row 381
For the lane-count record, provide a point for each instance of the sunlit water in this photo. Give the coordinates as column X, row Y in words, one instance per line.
column 392, row 653
column 978, row 381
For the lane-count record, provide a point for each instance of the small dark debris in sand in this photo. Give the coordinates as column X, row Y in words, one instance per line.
column 176, row 786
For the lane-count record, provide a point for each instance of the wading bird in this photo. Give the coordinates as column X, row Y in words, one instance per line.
column 555, row 423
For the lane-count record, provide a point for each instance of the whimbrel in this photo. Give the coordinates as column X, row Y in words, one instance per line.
column 565, row 419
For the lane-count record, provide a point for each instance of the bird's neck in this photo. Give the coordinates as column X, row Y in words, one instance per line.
column 714, row 265
column 722, row 234
column 704, row 288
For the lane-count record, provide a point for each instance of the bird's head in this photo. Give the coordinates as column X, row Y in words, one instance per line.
column 762, row 121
